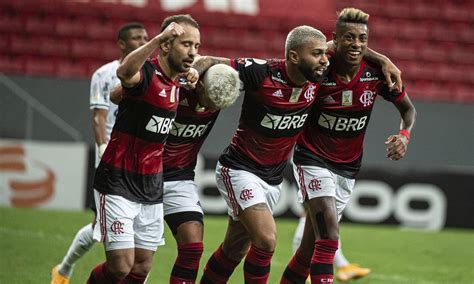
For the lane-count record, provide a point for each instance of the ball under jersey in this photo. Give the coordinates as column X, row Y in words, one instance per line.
column 333, row 136
column 132, row 163
column 102, row 82
column 273, row 114
column 188, row 132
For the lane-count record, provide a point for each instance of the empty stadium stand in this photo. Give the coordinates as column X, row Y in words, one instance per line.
column 431, row 41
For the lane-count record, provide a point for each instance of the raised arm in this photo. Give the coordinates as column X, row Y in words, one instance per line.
column 129, row 69
column 397, row 144
column 205, row 62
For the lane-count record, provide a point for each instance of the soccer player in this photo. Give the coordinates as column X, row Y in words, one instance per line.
column 129, row 37
column 328, row 154
column 197, row 113
column 198, row 110
column 128, row 184
column 278, row 97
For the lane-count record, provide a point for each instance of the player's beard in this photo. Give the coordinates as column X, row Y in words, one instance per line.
column 309, row 73
column 176, row 64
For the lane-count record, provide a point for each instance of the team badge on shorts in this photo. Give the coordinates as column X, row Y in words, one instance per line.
column 117, row 227
column 315, row 184
column 246, row 194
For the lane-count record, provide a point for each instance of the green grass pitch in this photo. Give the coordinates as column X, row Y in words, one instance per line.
column 33, row 241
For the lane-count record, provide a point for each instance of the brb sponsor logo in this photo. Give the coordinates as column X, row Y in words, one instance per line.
column 160, row 125
column 246, row 194
column 117, row 227
column 315, row 184
column 342, row 123
column 282, row 122
column 188, row 130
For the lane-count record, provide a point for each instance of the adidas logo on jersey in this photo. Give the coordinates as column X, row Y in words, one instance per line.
column 278, row 94
column 162, row 93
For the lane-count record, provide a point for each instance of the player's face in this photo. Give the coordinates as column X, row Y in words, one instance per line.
column 184, row 48
column 351, row 43
column 313, row 60
column 135, row 39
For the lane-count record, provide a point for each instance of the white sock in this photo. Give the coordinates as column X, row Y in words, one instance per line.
column 81, row 244
column 298, row 234
column 339, row 259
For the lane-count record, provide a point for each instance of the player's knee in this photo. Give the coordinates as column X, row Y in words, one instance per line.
column 120, row 269
column 142, row 267
column 327, row 229
column 266, row 241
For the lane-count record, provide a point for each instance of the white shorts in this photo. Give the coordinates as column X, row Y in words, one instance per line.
column 180, row 196
column 317, row 182
column 242, row 189
column 124, row 224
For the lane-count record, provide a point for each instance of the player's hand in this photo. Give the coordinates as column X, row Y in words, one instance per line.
column 393, row 76
column 102, row 148
column 192, row 77
column 172, row 31
column 396, row 147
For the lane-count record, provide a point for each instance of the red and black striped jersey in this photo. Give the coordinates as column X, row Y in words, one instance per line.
column 273, row 114
column 132, row 163
column 334, row 133
column 188, row 132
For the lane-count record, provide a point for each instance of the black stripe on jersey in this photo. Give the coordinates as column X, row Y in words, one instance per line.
column 303, row 156
column 142, row 188
column 345, row 125
column 143, row 120
column 175, row 174
column 272, row 175
column 271, row 121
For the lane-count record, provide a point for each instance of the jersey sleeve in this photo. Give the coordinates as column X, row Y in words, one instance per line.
column 392, row 96
column 99, row 92
column 252, row 71
column 146, row 74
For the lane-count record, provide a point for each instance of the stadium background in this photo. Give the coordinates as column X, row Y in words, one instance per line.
column 49, row 49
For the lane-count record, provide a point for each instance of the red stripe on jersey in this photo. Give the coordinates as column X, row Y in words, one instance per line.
column 263, row 150
column 134, row 154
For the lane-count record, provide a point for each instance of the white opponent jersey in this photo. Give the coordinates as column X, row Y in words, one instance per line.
column 103, row 81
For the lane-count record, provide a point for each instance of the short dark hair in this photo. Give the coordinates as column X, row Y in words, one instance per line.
column 352, row 15
column 122, row 33
column 182, row 18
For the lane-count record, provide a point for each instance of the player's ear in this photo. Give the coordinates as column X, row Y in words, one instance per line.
column 166, row 46
column 121, row 44
column 293, row 56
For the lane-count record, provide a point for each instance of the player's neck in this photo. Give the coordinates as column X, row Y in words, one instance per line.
column 346, row 72
column 165, row 67
column 294, row 74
